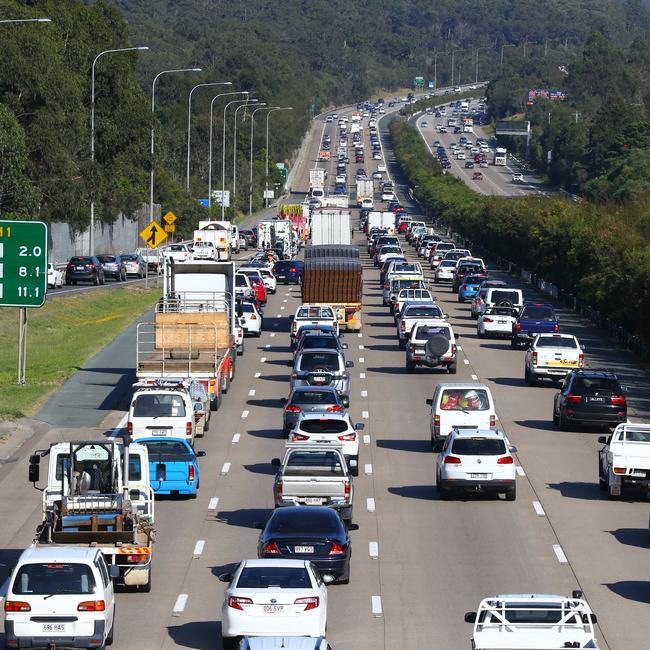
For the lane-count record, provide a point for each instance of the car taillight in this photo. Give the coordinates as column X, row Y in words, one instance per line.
column 298, row 437
column 452, row 460
column 294, row 327
column 505, row 460
column 573, row 399
column 278, row 488
column 236, row 602
column 556, row 328
column 310, row 602
column 129, row 429
column 487, row 319
column 17, row 606
column 293, row 409
column 453, row 348
column 188, row 429
column 436, row 424
column 618, row 470
column 334, row 323
column 272, row 548
column 334, row 409
column 581, row 360
column 411, row 348
column 347, row 489
column 518, row 327
column 534, row 358
column 292, row 270
column 348, row 437
column 190, row 473
column 493, row 421
column 336, row 549
column 253, row 317
column 479, row 301
column 619, row 400
column 92, row 606
column 402, row 326
column 464, row 288
column 92, row 266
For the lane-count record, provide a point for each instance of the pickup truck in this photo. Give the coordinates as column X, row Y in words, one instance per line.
column 624, row 459
column 410, row 295
column 311, row 315
column 552, row 356
column 415, row 313
column 312, row 476
column 533, row 319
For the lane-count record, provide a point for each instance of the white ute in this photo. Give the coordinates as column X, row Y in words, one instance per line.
column 533, row 622
column 552, row 356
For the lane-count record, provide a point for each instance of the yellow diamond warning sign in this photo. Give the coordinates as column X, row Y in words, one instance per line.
column 153, row 235
column 169, row 218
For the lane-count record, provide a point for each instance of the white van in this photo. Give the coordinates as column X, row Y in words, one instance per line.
column 60, row 595
column 460, row 405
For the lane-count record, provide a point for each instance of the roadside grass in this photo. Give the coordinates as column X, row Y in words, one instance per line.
column 61, row 336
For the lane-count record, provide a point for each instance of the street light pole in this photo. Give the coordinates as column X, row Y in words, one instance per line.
column 435, row 68
column 266, row 179
column 503, row 47
column 214, row 99
column 478, row 49
column 453, row 54
column 223, row 152
column 189, row 124
column 250, row 175
column 153, row 110
column 91, row 233
column 234, row 149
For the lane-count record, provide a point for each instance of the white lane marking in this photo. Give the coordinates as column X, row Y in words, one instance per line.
column 225, row 468
column 362, row 360
column 365, row 415
column 520, row 470
column 362, row 375
column 474, row 377
column 272, row 334
column 367, row 468
column 373, row 550
column 370, row 504
column 559, row 554
column 466, row 362
column 285, row 300
column 377, row 611
column 198, row 549
column 458, row 347
column 361, row 347
column 366, row 439
column 214, row 502
column 268, row 346
column 179, row 605
column 539, row 509
column 258, row 375
column 287, row 294
column 118, row 429
column 364, row 393
column 262, row 359
column 359, row 334
column 244, row 414
column 282, row 309
column 236, row 438
column 251, row 392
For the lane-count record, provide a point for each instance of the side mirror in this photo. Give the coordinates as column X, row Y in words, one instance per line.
column 576, row 593
column 328, row 579
column 594, row 618
column 200, row 454
column 34, row 470
column 114, row 571
column 225, row 577
column 275, row 462
column 349, row 364
column 470, row 617
column 359, row 426
column 429, row 402
column 603, row 441
column 513, row 450
column 283, row 401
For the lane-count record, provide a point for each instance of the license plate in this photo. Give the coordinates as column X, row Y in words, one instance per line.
column 273, row 609
column 57, row 628
column 320, row 379
column 79, row 268
column 478, row 475
column 501, row 322
column 596, row 399
column 303, row 549
column 313, row 501
column 158, row 432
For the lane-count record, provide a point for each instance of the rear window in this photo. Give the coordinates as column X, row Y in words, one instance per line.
column 478, row 447
column 447, row 263
column 398, row 285
column 152, row 405
column 315, row 360
column 559, row 342
column 55, row 578
column 407, row 268
column 469, row 268
column 323, row 425
column 543, row 613
column 636, row 435
column 318, row 313
column 287, row 521
column 500, row 296
column 81, row 260
column 106, row 258
column 274, row 576
column 428, row 331
column 422, row 312
column 319, row 342
column 474, row 279
column 538, row 313
column 164, row 447
column 129, row 258
column 321, row 463
column 464, row 399
column 313, row 397
column 589, row 385
column 414, row 294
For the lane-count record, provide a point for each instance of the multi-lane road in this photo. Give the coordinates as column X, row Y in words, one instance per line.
column 437, row 559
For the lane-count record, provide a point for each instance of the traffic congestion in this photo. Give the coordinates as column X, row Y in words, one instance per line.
column 332, row 398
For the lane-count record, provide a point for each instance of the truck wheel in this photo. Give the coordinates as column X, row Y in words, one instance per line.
column 451, row 368
column 602, row 481
column 610, row 495
column 529, row 378
column 146, row 588
column 402, row 344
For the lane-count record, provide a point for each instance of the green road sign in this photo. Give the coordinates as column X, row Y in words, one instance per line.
column 418, row 82
column 23, row 263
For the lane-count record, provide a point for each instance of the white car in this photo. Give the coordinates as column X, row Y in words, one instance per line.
column 266, row 274
column 54, row 276
column 57, row 593
column 251, row 319
column 308, row 314
column 271, row 597
column 376, row 155
column 553, row 356
column 476, row 460
column 367, row 203
column 330, row 428
column 178, row 252
column 517, row 178
column 496, row 321
column 341, row 178
column 444, row 271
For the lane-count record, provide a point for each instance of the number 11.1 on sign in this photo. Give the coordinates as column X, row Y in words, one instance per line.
column 23, row 263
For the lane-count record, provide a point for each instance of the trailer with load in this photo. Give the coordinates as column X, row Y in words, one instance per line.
column 333, row 276
column 330, row 226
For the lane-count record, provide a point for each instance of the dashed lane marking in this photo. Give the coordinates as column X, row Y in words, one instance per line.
column 244, row 414
column 520, row 471
column 370, row 504
column 179, row 605
column 367, row 468
column 474, row 377
column 364, row 393
column 466, row 362
column 225, row 468
column 262, row 359
column 366, row 439
column 539, row 509
column 559, row 554
column 373, row 550
column 198, row 549
column 362, row 375
column 258, row 375
column 251, row 392
column 236, row 438
column 214, row 502
column 362, row 360
column 377, row 611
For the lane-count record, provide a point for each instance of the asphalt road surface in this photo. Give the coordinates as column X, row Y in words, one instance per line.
column 436, row 559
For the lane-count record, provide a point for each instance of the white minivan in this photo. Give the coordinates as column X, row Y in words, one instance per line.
column 460, row 405
column 60, row 596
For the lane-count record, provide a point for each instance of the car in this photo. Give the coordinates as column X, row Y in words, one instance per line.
column 496, row 321
column 432, row 344
column 307, row 315
column 411, row 314
column 376, row 155
column 320, row 338
column 178, row 252
column 377, row 175
column 517, row 178
column 113, row 266
column 54, row 276
column 330, row 428
column 310, row 399
column 173, row 466
column 479, row 297
column 250, row 236
column 466, row 404
column 409, row 295
column 252, row 319
column 274, row 596
column 424, row 124
column 134, row 264
column 476, row 460
column 477, row 176
column 269, row 280
column 56, row 593
column 444, row 271
column 395, row 283
column 257, row 283
column 552, row 356
column 593, row 398
column 533, row 319
column 310, row 533
column 470, row 165
column 483, row 164
column 469, row 286
column 321, row 367
column 288, row 271
column 468, row 267
column 84, row 269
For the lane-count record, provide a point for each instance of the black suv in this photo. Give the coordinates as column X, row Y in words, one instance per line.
column 84, row 269
column 591, row 397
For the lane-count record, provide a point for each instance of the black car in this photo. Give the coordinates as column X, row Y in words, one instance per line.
column 288, row 271
column 589, row 397
column 321, row 340
column 84, row 269
column 113, row 267
column 311, row 533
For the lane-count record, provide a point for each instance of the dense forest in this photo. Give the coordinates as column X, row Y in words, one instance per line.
column 307, row 54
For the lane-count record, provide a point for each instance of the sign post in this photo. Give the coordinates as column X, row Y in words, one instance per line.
column 23, row 274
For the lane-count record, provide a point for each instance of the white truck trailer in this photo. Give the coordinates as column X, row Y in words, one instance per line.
column 330, row 226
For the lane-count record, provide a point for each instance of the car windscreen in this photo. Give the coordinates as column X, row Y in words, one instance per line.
column 153, row 405
column 313, row 398
column 53, row 579
column 474, row 279
column 591, row 385
column 424, row 311
column 429, row 331
column 464, row 399
column 240, row 281
column 301, row 521
column 248, row 308
column 478, row 447
column 274, row 576
column 315, row 360
column 447, row 264
column 501, row 296
column 538, row 313
column 407, row 268
column 323, row 425
column 312, row 341
column 384, row 250
column 165, row 447
column 553, row 342
column 469, row 268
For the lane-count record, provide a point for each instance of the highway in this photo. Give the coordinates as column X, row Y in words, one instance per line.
column 437, row 559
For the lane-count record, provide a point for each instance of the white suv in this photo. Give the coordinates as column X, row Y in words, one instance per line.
column 59, row 593
column 476, row 460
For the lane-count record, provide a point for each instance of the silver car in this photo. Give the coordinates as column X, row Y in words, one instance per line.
column 321, row 367
column 310, row 399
